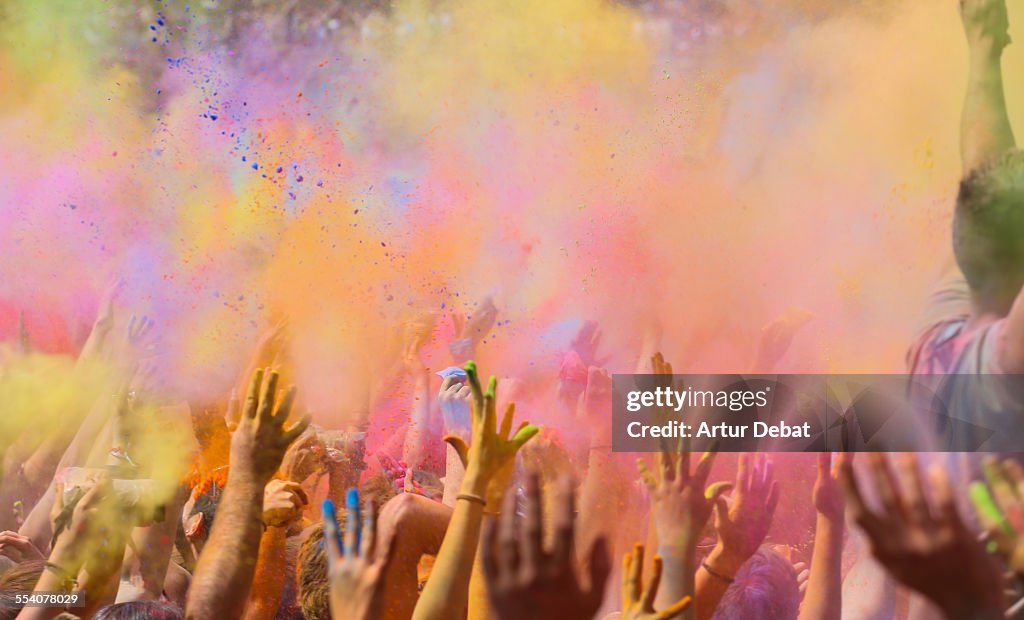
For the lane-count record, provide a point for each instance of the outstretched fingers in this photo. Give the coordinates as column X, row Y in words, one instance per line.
column 651, row 591
column 290, row 435
column 252, row 397
column 268, row 397
column 677, row 609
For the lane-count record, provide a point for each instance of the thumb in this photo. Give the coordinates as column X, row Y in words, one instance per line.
column 721, row 510
column 716, row 490
column 459, row 444
column 58, row 498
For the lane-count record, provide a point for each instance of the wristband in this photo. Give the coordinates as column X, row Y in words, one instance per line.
column 716, row 574
column 469, row 497
column 66, row 580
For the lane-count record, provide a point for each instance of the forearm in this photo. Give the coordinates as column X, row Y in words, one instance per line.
column 415, row 526
column 824, row 598
column 710, row 588
column 679, row 568
column 39, row 469
column 61, row 562
column 268, row 583
column 453, row 473
column 446, row 593
column 479, row 601
column 101, row 577
column 48, row 582
column 985, row 129
column 154, row 545
column 37, row 525
column 226, row 566
column 94, row 344
column 415, row 436
column 602, row 499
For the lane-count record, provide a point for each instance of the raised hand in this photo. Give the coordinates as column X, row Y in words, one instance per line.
column 303, row 458
column 743, row 522
column 680, row 505
column 454, row 400
column 827, row 494
column 490, row 456
column 572, row 379
column 417, row 334
column 638, row 601
column 259, row 443
column 822, row 585
column 922, row 541
column 985, row 20
column 105, row 311
column 586, row 343
column 91, row 521
column 355, row 569
column 777, row 336
column 138, row 329
column 1000, row 508
column 489, row 461
column 595, row 406
column 660, row 366
column 283, row 502
column 468, row 334
column 526, row 580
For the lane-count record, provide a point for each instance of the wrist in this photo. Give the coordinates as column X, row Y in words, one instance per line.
column 725, row 562
column 968, row 608
column 474, row 482
column 65, row 557
column 987, row 48
column 678, row 542
column 830, row 521
column 244, row 480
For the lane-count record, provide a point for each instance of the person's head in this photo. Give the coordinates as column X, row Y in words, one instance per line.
column 314, row 598
column 988, row 231
column 19, row 578
column 139, row 610
column 198, row 513
column 765, row 587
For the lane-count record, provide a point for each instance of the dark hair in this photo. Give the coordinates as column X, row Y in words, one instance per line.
column 988, row 231
column 765, row 588
column 20, row 578
column 311, row 569
column 139, row 610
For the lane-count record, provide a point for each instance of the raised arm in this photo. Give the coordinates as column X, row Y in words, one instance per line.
column 742, row 525
column 680, row 507
column 527, row 580
column 921, row 540
column 226, row 566
column 824, row 598
column 283, row 502
column 984, row 126
column 491, row 450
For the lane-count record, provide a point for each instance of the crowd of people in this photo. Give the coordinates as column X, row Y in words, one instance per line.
column 278, row 517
